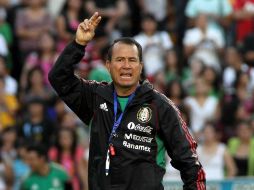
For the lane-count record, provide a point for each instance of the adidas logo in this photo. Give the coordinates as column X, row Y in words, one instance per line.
column 104, row 107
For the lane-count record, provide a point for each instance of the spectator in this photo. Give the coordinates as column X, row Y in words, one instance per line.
column 112, row 12
column 8, row 107
column 159, row 81
column 248, row 49
column 43, row 58
column 32, row 22
column 243, row 91
column 204, row 43
column 67, row 22
column 71, row 121
column 43, row 175
column 244, row 15
column 217, row 11
column 36, row 87
column 6, row 32
column 154, row 44
column 6, row 175
column 158, row 8
column 191, row 73
column 172, row 69
column 36, row 126
column 202, row 106
column 175, row 92
column 11, row 85
column 19, row 166
column 211, row 76
column 69, row 154
column 60, row 109
column 8, row 145
column 241, row 148
column 235, row 66
column 214, row 156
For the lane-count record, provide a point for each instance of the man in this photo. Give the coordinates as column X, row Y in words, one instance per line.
column 131, row 123
column 43, row 175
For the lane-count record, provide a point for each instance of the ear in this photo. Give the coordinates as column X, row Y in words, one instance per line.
column 141, row 67
column 108, row 65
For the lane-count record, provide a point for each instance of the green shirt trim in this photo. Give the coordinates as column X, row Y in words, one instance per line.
column 123, row 102
column 160, row 157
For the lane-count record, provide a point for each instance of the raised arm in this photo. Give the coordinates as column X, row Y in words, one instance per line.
column 77, row 93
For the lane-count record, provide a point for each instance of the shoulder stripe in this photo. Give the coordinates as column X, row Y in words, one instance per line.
column 193, row 146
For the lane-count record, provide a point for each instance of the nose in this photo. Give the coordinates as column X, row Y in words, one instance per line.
column 126, row 64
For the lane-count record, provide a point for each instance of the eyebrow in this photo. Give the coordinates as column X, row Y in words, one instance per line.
column 126, row 57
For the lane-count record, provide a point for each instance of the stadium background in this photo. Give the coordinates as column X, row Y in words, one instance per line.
column 200, row 53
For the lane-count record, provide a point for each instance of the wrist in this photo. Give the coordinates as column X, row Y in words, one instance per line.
column 80, row 43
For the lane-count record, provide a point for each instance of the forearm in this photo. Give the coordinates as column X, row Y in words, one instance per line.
column 63, row 70
column 181, row 148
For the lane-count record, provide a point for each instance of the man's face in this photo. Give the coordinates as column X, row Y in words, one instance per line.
column 34, row 161
column 125, row 67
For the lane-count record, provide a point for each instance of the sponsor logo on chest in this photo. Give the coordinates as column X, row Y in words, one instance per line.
column 138, row 138
column 133, row 127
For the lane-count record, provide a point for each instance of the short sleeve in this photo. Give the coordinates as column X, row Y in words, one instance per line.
column 166, row 40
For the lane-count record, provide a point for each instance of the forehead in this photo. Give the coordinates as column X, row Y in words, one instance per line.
column 122, row 49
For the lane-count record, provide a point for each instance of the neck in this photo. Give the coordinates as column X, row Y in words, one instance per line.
column 44, row 170
column 125, row 91
column 210, row 143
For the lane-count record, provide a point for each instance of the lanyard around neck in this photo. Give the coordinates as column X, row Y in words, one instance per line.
column 118, row 120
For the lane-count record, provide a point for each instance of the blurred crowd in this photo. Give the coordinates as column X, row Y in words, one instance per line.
column 199, row 53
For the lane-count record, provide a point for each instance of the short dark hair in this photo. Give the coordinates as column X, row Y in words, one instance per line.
column 40, row 150
column 125, row 40
column 148, row 16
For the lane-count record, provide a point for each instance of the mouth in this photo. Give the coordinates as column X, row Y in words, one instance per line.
column 126, row 75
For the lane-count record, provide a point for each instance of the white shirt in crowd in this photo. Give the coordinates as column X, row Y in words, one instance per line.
column 3, row 46
column 200, row 114
column 157, row 7
column 229, row 77
column 213, row 164
column 154, row 48
column 11, row 85
column 205, row 44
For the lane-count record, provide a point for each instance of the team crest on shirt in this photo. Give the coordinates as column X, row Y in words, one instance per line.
column 144, row 114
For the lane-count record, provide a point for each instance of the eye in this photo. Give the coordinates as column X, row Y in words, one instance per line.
column 133, row 60
column 119, row 59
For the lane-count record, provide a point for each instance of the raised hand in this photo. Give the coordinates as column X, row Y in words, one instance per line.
column 85, row 31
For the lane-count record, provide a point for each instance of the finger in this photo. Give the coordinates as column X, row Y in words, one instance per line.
column 97, row 21
column 86, row 24
column 83, row 27
column 94, row 17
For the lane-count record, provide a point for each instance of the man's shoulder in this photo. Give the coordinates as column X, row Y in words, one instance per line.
column 162, row 101
column 96, row 83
